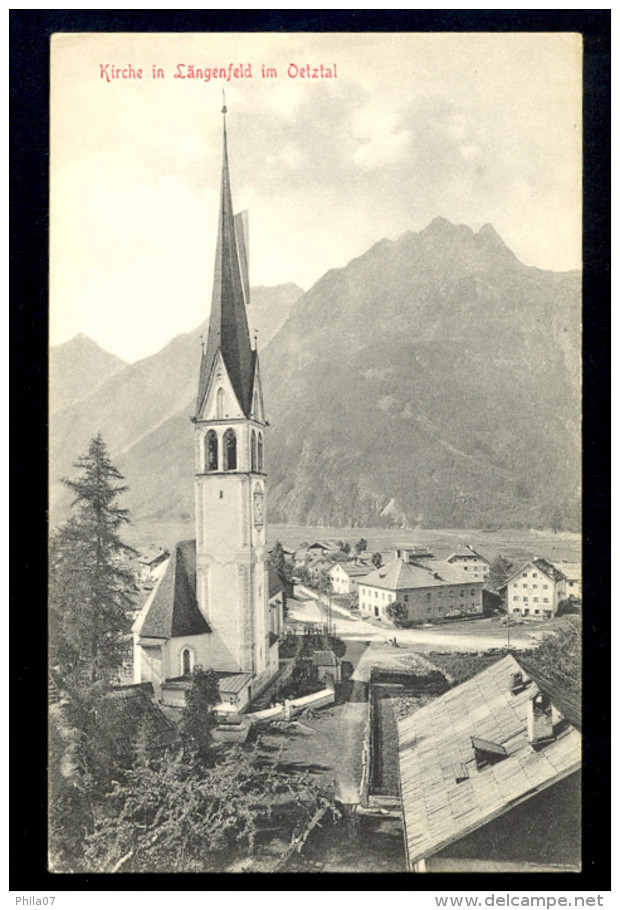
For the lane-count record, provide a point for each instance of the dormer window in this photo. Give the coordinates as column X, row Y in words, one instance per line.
column 487, row 753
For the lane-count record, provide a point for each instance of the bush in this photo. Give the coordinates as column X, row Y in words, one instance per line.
column 398, row 614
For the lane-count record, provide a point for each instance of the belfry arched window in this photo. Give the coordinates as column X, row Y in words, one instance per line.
column 211, row 451
column 260, row 453
column 253, row 451
column 186, row 662
column 220, row 403
column 229, row 450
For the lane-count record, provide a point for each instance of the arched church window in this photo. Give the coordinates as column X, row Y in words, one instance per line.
column 186, row 661
column 253, row 451
column 229, row 450
column 220, row 403
column 211, row 450
column 260, row 453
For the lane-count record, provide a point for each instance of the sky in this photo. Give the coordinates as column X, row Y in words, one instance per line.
column 474, row 128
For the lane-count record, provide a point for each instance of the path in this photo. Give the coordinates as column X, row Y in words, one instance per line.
column 472, row 635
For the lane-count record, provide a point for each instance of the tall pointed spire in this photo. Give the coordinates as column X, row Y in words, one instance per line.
column 228, row 323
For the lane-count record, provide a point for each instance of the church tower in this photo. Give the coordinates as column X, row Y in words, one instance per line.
column 231, row 577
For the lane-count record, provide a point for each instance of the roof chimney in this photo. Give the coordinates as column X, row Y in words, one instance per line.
column 517, row 683
column 540, row 721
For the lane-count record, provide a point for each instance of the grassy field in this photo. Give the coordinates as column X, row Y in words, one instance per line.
column 516, row 545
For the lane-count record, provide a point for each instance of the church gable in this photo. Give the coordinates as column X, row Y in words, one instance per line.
column 220, row 402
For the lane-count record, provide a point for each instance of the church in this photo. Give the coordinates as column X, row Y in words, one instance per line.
column 210, row 607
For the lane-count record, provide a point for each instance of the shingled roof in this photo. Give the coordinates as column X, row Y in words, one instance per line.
column 543, row 565
column 400, row 575
column 445, row 793
column 172, row 608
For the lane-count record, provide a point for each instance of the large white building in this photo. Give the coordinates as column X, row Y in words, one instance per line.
column 535, row 591
column 429, row 589
column 211, row 606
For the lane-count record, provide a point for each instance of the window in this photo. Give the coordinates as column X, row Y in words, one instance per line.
column 462, row 606
column 220, row 403
column 526, row 612
column 186, row 662
column 515, row 598
column 428, row 610
column 229, row 450
column 462, row 593
column 253, row 451
column 545, row 600
column 211, row 450
column 525, row 586
column 545, row 587
column 525, row 599
column 451, row 593
column 428, row 595
column 376, row 611
column 473, row 592
column 406, row 598
column 534, row 574
column 535, row 600
column 260, row 453
column 534, row 586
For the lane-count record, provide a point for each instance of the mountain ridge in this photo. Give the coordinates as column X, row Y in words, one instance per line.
column 433, row 380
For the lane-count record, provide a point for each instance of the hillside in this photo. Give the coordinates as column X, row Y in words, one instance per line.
column 433, row 381
column 75, row 368
column 135, row 404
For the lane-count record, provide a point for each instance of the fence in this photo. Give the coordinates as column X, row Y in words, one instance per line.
column 290, row 708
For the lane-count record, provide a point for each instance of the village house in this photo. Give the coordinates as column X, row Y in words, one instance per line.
column 489, row 775
column 572, row 571
column 345, row 576
column 210, row 608
column 151, row 562
column 431, row 589
column 473, row 563
column 535, row 591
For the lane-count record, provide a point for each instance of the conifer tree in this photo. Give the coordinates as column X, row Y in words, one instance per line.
column 91, row 590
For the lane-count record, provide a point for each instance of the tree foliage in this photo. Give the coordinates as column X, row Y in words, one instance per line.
column 376, row 560
column 90, row 590
column 559, row 657
column 171, row 814
column 200, row 699
column 398, row 613
column 277, row 556
column 361, row 545
column 501, row 569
